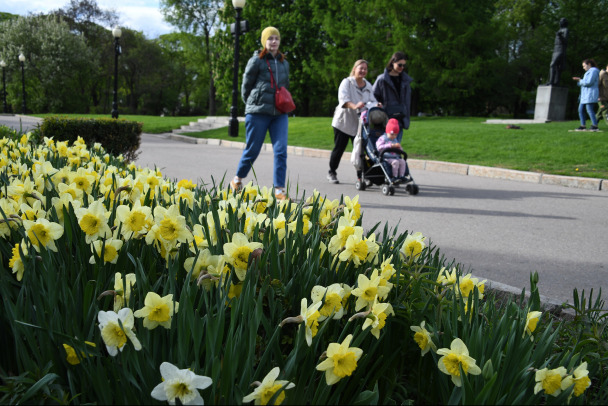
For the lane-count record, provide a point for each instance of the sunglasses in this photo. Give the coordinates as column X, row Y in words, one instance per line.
column 401, row 65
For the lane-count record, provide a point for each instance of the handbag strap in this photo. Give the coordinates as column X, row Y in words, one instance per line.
column 272, row 85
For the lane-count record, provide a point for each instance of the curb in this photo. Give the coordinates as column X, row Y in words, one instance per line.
column 433, row 166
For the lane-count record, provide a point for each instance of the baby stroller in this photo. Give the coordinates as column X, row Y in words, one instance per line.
column 375, row 170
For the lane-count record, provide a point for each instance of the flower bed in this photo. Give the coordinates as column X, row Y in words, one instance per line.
column 120, row 286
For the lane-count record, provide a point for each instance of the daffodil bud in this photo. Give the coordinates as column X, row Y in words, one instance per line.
column 488, row 370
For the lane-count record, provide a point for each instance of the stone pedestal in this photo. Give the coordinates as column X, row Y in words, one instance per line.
column 551, row 103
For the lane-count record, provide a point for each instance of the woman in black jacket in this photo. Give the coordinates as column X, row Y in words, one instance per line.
column 393, row 90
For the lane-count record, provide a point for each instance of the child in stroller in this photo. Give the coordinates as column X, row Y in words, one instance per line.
column 375, row 168
column 389, row 141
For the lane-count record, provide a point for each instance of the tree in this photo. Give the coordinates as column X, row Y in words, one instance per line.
column 56, row 62
column 199, row 17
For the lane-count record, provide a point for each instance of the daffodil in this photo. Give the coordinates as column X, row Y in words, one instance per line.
column 122, row 289
column 43, row 233
column 446, row 277
column 532, row 319
column 377, row 317
column 134, row 221
column 16, row 261
column 237, row 253
column 182, row 384
column 341, row 360
column 467, row 284
column 549, row 380
column 71, row 356
column 110, row 248
column 367, row 289
column 580, row 380
column 158, row 311
column 93, row 220
column 413, row 245
column 268, row 388
column 331, row 298
column 172, row 225
column 353, row 206
column 423, row 338
column 114, row 333
column 357, row 248
column 454, row 358
column 346, row 228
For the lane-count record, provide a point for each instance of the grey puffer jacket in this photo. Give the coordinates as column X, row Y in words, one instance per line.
column 256, row 91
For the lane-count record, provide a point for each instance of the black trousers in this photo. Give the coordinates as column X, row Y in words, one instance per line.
column 340, row 142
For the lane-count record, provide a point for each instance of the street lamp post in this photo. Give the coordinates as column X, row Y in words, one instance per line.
column 3, row 65
column 116, row 32
column 233, row 128
column 22, row 60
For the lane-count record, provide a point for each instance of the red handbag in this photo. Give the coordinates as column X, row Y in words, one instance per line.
column 282, row 98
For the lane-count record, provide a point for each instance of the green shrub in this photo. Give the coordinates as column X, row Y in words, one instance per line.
column 117, row 136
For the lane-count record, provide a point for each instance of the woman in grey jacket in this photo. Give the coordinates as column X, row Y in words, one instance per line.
column 393, row 90
column 354, row 94
column 261, row 115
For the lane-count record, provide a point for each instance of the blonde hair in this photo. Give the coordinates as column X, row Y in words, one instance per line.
column 359, row 62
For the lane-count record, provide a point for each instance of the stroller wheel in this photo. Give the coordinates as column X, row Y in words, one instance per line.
column 359, row 185
column 386, row 190
column 412, row 189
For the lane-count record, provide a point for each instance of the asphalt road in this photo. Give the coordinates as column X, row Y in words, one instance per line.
column 500, row 230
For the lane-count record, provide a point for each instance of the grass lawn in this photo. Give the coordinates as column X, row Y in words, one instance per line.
column 545, row 148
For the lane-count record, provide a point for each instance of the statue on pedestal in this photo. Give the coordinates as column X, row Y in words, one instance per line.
column 558, row 61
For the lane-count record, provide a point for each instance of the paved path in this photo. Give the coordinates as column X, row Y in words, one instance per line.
column 500, row 229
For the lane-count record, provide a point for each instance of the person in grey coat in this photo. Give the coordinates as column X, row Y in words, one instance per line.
column 393, row 90
column 354, row 95
column 261, row 115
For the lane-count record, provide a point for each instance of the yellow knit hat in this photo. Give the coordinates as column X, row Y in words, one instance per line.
column 268, row 31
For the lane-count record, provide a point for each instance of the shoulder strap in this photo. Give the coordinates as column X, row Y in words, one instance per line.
column 271, row 77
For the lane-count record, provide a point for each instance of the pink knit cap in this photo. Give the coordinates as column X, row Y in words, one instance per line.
column 392, row 127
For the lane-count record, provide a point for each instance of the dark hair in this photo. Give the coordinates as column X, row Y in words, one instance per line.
column 590, row 62
column 397, row 56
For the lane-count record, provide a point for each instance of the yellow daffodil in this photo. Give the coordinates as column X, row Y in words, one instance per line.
column 331, row 298
column 122, row 289
column 549, row 380
column 110, row 249
column 377, row 317
column 454, row 358
column 467, row 284
column 182, row 384
column 43, row 232
column 368, row 289
column 580, row 380
column 268, row 388
column 114, row 336
column 172, row 225
column 423, row 338
column 353, row 206
column 32, row 212
column 238, row 251
column 16, row 261
column 71, row 356
column 346, row 228
column 158, row 311
column 93, row 221
column 341, row 360
column 446, row 277
column 413, row 245
column 134, row 221
column 532, row 319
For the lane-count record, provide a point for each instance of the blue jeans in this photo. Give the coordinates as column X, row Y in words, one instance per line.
column 256, row 126
column 590, row 111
